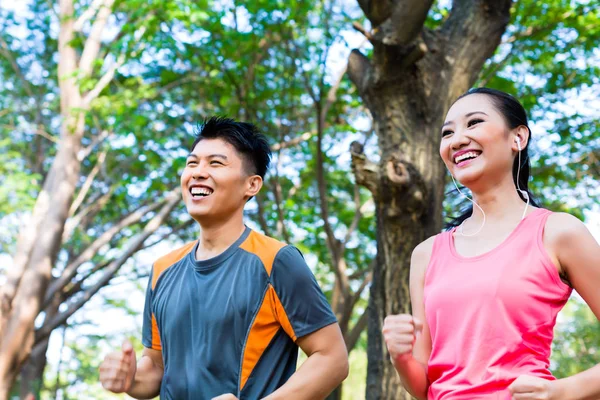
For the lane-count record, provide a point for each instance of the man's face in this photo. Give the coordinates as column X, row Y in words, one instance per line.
column 215, row 184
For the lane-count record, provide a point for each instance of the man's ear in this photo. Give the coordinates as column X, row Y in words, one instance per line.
column 254, row 183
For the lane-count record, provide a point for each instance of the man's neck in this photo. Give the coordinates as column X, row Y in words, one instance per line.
column 216, row 238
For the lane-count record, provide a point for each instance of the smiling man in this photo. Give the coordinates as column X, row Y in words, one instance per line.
column 225, row 314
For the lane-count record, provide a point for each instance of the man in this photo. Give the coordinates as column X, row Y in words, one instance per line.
column 224, row 315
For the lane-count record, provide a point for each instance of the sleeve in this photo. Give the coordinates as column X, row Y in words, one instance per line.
column 300, row 298
column 150, row 335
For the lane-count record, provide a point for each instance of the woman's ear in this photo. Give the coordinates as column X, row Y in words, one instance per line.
column 521, row 138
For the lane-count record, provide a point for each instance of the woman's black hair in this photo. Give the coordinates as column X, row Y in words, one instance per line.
column 515, row 116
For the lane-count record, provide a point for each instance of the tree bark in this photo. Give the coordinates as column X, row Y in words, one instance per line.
column 409, row 83
column 22, row 296
column 32, row 373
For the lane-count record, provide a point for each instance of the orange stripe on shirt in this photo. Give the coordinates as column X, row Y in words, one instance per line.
column 156, row 345
column 282, row 316
column 166, row 261
column 159, row 267
column 263, row 330
column 264, row 247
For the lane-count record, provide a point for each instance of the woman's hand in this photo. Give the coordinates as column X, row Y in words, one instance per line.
column 531, row 388
column 399, row 332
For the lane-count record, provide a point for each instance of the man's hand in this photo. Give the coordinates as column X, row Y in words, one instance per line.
column 532, row 388
column 227, row 396
column 118, row 369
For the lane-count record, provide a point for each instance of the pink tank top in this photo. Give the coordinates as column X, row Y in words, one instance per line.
column 491, row 317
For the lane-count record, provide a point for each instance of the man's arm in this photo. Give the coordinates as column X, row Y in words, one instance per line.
column 149, row 374
column 323, row 371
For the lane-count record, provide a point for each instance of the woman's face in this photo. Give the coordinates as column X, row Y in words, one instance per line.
column 476, row 141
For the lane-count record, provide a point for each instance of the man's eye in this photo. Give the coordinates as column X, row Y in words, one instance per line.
column 190, row 163
column 474, row 122
column 214, row 162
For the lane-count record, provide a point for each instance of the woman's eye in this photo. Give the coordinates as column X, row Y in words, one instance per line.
column 474, row 122
column 446, row 133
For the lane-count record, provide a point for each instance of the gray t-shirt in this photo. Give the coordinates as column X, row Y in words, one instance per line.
column 229, row 324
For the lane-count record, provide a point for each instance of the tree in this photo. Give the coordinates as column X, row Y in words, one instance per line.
column 414, row 75
column 424, row 56
column 142, row 98
column 61, row 258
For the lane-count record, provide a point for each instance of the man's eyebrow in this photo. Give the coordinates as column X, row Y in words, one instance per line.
column 222, row 156
column 467, row 115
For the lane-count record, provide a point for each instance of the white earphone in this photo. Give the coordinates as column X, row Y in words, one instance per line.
column 523, row 192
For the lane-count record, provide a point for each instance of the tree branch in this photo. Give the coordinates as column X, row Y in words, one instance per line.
column 87, row 184
column 103, row 82
column 261, row 215
column 357, row 215
column 352, row 337
column 278, row 204
column 473, row 31
column 6, row 52
column 94, row 40
column 91, row 209
column 178, row 228
column 366, row 172
column 113, row 267
column 332, row 94
column 359, row 71
column 84, row 153
column 293, row 142
column 403, row 23
column 87, row 14
column 70, row 270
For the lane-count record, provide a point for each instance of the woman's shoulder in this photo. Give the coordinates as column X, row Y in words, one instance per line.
column 422, row 254
column 561, row 227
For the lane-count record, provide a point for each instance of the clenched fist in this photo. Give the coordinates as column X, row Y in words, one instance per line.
column 399, row 332
column 118, row 369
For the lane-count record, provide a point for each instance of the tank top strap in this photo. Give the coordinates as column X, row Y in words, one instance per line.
column 532, row 227
column 439, row 252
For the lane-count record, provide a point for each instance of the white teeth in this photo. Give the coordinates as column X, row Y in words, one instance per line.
column 201, row 191
column 464, row 156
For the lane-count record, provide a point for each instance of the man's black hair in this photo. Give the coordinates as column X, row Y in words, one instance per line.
column 244, row 137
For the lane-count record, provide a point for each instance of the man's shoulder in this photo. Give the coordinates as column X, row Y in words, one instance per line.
column 264, row 247
column 169, row 259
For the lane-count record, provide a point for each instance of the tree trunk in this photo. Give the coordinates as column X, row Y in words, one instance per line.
column 408, row 85
column 32, row 373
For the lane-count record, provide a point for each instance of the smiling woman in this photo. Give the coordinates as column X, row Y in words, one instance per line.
column 486, row 293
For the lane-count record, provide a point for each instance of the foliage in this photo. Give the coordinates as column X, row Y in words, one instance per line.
column 273, row 63
column 577, row 339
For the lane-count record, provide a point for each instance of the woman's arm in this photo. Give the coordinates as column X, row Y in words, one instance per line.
column 576, row 254
column 412, row 367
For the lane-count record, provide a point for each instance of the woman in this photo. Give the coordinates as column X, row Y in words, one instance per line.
column 486, row 293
